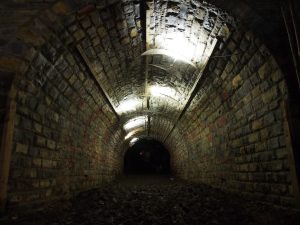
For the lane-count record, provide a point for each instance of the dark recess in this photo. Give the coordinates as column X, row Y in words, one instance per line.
column 147, row 157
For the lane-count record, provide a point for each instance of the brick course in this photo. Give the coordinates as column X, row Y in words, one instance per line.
column 68, row 139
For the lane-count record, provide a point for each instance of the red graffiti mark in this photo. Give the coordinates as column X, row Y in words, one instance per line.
column 225, row 95
column 209, row 137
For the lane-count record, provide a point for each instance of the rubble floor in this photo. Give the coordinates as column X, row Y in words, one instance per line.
column 150, row 200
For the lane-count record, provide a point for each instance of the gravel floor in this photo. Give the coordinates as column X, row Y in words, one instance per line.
column 160, row 201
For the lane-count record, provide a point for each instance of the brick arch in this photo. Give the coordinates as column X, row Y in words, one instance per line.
column 73, row 66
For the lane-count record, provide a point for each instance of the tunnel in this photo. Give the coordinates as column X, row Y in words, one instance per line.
column 147, row 156
column 200, row 97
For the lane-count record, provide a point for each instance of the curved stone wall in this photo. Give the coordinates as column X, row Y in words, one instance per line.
column 82, row 72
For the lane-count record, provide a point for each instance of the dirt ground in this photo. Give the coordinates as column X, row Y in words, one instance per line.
column 138, row 200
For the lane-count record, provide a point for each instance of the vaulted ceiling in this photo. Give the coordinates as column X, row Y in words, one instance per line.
column 147, row 57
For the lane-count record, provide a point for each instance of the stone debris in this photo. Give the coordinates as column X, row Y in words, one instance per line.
column 160, row 202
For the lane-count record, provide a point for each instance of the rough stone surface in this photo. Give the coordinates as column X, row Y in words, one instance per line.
column 145, row 200
column 67, row 137
column 235, row 126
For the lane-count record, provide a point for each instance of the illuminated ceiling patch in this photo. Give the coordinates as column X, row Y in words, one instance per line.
column 128, row 105
column 132, row 133
column 135, row 122
column 176, row 45
column 167, row 53
column 133, row 141
column 162, row 91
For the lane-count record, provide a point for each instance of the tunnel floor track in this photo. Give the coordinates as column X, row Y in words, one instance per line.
column 149, row 200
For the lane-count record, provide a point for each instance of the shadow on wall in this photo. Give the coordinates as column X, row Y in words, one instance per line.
column 147, row 157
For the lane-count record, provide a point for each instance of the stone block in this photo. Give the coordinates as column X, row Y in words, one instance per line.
column 237, row 81
column 274, row 166
column 86, row 23
column 45, row 183
column 47, row 163
column 264, row 71
column 96, row 42
column 280, row 189
column 133, row 33
column 282, row 177
column 260, row 146
column 92, row 32
column 48, row 193
column 252, row 167
column 282, row 141
column 254, row 137
column 255, row 62
column 31, row 37
column 257, row 124
column 282, row 87
column 79, row 34
column 258, row 177
column 36, row 162
column 61, row 8
column 125, row 41
column 243, row 176
column 276, row 76
column 276, row 130
column 26, row 123
column 270, row 95
column 40, row 141
column 244, row 168
column 96, row 19
column 34, row 151
column 22, row 148
column 244, row 44
column 262, row 187
column 51, row 144
column 30, row 173
column 269, row 119
column 273, row 143
column 265, row 133
column 281, row 153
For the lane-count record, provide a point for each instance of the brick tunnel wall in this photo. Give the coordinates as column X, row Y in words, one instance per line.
column 66, row 136
column 67, row 139
column 62, row 137
column 236, row 124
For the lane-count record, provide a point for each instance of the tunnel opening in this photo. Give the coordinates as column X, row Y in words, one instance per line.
column 147, row 157
column 84, row 80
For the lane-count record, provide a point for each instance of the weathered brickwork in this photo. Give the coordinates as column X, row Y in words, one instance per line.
column 62, row 137
column 179, row 154
column 77, row 63
column 236, row 123
column 66, row 134
column 67, row 137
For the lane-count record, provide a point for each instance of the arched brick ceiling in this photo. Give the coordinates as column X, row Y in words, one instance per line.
column 110, row 37
column 90, row 76
column 141, row 86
